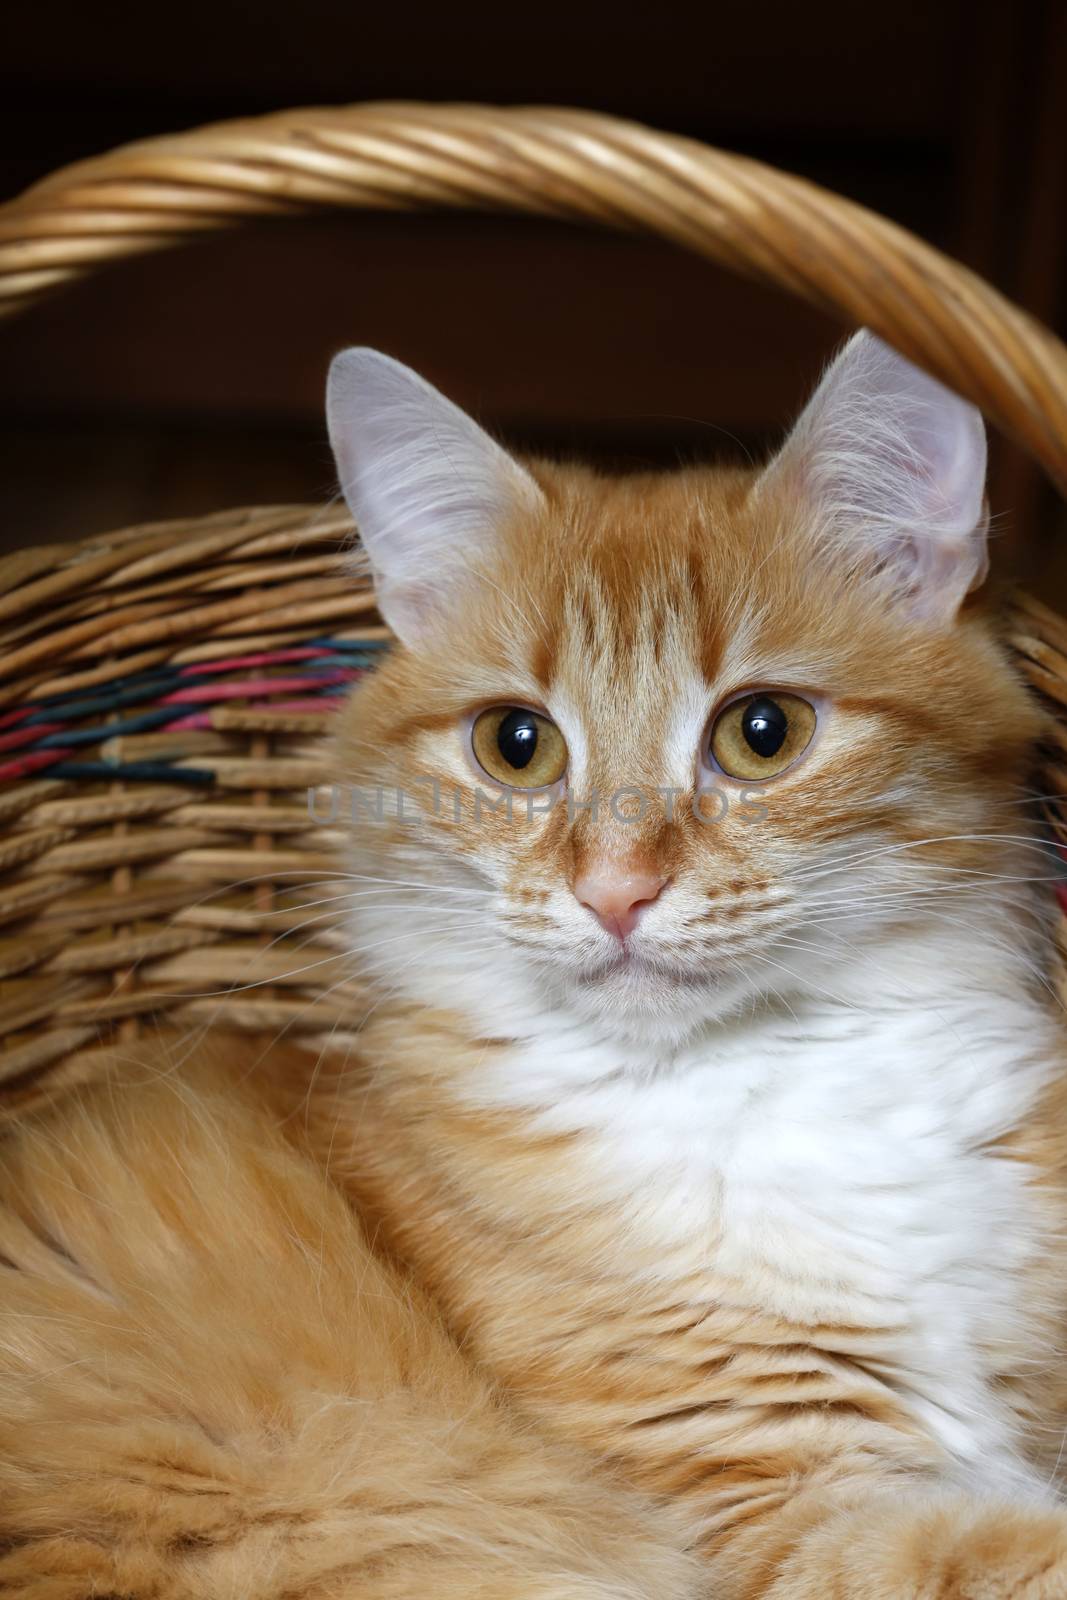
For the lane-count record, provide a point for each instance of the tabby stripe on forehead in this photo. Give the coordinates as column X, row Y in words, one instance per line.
column 910, row 715
column 543, row 654
column 426, row 722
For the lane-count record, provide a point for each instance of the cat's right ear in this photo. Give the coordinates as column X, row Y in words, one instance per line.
column 428, row 487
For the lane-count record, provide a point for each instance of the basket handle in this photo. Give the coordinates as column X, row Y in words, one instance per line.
column 576, row 165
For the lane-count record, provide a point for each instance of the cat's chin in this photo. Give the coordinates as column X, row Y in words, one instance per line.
column 639, row 995
column 640, row 972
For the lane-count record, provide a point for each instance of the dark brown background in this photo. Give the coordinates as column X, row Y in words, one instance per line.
column 193, row 380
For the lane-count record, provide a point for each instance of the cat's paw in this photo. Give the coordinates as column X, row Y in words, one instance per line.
column 946, row 1549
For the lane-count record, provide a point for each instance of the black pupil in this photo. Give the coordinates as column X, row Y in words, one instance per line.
column 764, row 726
column 516, row 738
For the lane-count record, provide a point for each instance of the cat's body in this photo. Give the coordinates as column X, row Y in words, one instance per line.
column 753, row 1292
column 211, row 1388
column 755, row 1178
column 712, row 1086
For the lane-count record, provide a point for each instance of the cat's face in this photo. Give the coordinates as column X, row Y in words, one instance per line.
column 660, row 745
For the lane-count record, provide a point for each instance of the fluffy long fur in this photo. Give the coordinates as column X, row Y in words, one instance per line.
column 771, row 1211
column 211, row 1387
column 763, row 1218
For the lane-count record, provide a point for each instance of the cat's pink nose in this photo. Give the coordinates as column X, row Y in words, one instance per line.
column 617, row 895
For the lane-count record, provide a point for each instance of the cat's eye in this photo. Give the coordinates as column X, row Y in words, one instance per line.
column 762, row 734
column 519, row 747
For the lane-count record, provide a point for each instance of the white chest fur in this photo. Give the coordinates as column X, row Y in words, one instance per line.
column 836, row 1165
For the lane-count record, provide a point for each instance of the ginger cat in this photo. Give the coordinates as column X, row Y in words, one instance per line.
column 713, row 1086
column 711, row 1091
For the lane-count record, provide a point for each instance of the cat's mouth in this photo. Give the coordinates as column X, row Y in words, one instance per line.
column 633, row 967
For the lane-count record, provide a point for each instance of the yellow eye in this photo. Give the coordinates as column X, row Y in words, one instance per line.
column 761, row 735
column 519, row 747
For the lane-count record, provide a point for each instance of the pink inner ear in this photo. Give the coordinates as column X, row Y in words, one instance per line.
column 944, row 573
column 426, row 485
column 893, row 466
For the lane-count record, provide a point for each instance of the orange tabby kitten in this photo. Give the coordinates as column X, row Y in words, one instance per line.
column 710, row 1090
column 713, row 1087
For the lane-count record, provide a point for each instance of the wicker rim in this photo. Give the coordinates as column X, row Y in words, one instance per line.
column 575, row 165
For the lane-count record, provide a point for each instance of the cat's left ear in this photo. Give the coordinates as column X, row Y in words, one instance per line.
column 427, row 486
column 891, row 466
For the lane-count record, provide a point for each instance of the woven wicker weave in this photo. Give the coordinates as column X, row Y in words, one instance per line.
column 166, row 691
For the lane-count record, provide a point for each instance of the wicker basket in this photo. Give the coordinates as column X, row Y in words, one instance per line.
column 166, row 691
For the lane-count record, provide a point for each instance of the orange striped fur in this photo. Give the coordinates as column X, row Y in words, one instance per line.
column 211, row 1386
column 729, row 1261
